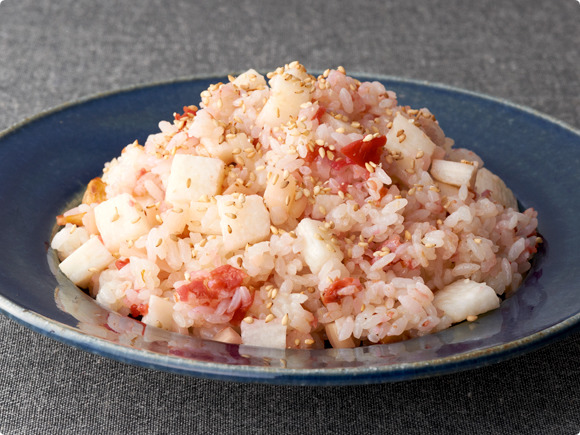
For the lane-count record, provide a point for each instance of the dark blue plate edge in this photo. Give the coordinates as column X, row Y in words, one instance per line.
column 253, row 374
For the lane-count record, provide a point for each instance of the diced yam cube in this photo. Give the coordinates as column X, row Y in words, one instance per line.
column 447, row 189
column 160, row 314
column 69, row 239
column 204, row 218
column 89, row 258
column 228, row 335
column 242, row 222
column 192, row 177
column 318, row 245
column 175, row 219
column 119, row 219
column 279, row 196
column 487, row 180
column 250, row 80
column 465, row 298
column 454, row 173
column 260, row 333
column 407, row 139
column 287, row 93
column 225, row 150
column 332, row 334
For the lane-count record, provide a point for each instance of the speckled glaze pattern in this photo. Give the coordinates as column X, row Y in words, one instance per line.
column 47, row 160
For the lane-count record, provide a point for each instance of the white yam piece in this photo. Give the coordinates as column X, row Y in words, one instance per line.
column 120, row 218
column 287, row 93
column 332, row 335
column 204, row 218
column 242, row 222
column 318, row 245
column 250, row 80
column 260, row 333
column 68, row 240
column 447, row 189
column 238, row 145
column 279, row 196
column 160, row 314
column 228, row 335
column 454, row 173
column 192, row 177
column 465, row 298
column 91, row 257
column 407, row 139
column 487, row 180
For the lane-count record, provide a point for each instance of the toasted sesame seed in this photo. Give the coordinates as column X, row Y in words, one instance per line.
column 269, row 318
column 420, row 154
column 321, row 152
column 158, row 219
column 248, row 320
column 402, row 137
column 188, row 183
column 309, row 341
column 229, row 229
column 477, row 240
column 471, row 318
column 285, row 319
column 407, row 235
column 115, row 216
column 273, row 229
column 297, row 342
column 92, row 269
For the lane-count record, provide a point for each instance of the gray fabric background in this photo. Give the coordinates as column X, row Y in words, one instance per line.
column 54, row 52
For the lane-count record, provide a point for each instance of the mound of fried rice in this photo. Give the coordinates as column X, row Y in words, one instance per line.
column 306, row 212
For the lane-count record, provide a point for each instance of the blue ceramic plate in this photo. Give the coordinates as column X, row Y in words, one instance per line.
column 46, row 161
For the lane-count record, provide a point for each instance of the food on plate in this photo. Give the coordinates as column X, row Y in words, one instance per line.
column 293, row 211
